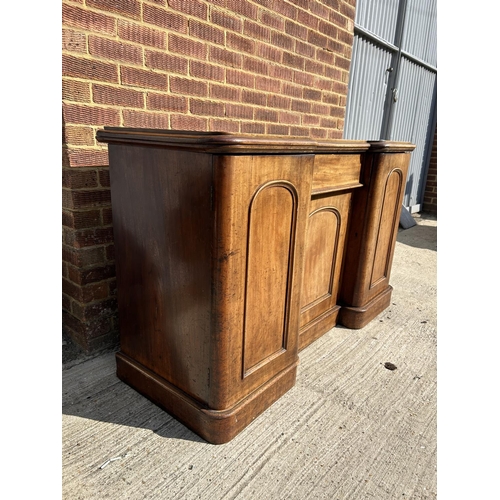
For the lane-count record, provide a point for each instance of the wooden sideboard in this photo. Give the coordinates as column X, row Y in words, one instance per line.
column 235, row 252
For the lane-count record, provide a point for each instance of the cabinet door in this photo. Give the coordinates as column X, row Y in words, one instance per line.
column 261, row 208
column 324, row 249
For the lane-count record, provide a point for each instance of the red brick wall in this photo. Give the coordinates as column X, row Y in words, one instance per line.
column 430, row 194
column 246, row 66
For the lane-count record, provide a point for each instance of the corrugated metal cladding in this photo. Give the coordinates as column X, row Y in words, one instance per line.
column 393, row 81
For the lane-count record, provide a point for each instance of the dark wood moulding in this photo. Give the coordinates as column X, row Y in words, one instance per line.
column 234, row 252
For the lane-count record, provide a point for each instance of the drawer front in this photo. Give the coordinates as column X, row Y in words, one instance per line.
column 334, row 172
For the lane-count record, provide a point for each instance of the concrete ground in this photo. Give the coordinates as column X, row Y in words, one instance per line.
column 349, row 429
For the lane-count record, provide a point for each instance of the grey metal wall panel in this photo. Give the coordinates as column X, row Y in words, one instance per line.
column 378, row 16
column 420, row 30
column 367, row 89
column 414, row 122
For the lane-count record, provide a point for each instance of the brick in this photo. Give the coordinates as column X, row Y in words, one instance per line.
column 337, row 111
column 317, row 39
column 104, row 177
column 282, row 41
column 314, row 67
column 118, row 96
column 253, row 128
column 323, row 83
column 238, row 42
column 85, row 331
column 167, row 103
column 145, row 120
column 304, row 4
column 303, row 78
column 192, row 7
column 206, row 108
column 347, row 10
column 308, row 119
column 226, row 20
column 73, row 90
column 320, row 109
column 85, row 157
column 305, row 49
column 265, row 3
column 285, row 9
column 301, row 106
column 225, row 93
column 79, row 136
column 87, row 199
column 239, row 111
column 166, row 62
column 338, row 19
column 224, row 125
column 206, row 32
column 267, row 84
column 187, row 46
column 91, row 21
column 289, row 118
column 334, row 134
column 312, row 94
column 85, row 294
column 293, row 60
column 92, row 237
column 82, row 219
column 266, row 115
column 270, row 53
column 330, row 98
column 127, row 8
column 66, row 302
column 90, row 115
column 206, row 71
column 272, row 20
column 83, row 257
column 143, row 78
column 278, row 101
column 318, row 133
column 89, row 69
column 78, row 179
column 256, row 30
column 110, row 49
column 110, row 252
column 328, row 123
column 345, row 37
column 299, row 131
column 142, row 35
column 186, row 86
column 325, row 56
column 291, row 90
column 333, row 73
column 295, row 29
column 342, row 62
column 252, row 97
column 328, row 29
column 256, row 65
column 243, row 7
column 226, row 57
column 74, row 41
column 101, row 309
column 273, row 129
column 339, row 88
column 280, row 73
column 238, row 77
column 185, row 122
column 94, row 275
column 164, row 19
column 106, row 217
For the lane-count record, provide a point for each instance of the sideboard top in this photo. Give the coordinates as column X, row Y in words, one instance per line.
column 223, row 142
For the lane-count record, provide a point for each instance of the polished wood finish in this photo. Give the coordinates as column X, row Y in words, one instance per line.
column 235, row 252
column 365, row 290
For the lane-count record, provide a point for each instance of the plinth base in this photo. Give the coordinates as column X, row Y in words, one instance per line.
column 215, row 426
column 358, row 317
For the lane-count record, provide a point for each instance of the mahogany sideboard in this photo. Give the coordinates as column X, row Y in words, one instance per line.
column 235, row 252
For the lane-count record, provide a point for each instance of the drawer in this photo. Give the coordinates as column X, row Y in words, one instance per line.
column 335, row 172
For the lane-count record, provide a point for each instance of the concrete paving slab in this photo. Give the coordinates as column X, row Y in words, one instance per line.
column 349, row 429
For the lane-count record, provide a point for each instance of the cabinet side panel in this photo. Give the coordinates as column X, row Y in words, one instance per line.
column 270, row 252
column 162, row 229
column 387, row 226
